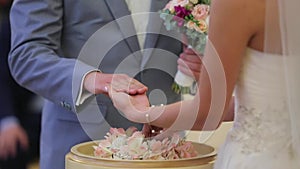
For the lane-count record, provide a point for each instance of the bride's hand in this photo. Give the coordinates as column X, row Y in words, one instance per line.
column 151, row 131
column 134, row 107
column 190, row 63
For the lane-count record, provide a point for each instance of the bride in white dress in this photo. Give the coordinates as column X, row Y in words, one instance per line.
column 260, row 137
column 249, row 53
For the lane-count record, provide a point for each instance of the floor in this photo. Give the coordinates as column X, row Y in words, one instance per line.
column 34, row 165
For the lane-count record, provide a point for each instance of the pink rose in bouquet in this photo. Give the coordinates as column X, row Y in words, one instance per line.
column 200, row 12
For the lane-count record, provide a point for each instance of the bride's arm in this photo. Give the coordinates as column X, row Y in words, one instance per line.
column 229, row 116
column 232, row 26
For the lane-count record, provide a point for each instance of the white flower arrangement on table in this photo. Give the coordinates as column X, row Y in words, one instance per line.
column 132, row 145
column 189, row 17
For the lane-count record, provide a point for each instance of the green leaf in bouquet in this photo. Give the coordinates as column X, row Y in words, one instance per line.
column 207, row 2
column 196, row 40
column 180, row 89
column 169, row 23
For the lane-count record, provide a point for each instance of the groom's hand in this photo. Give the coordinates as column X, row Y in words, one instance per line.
column 190, row 63
column 98, row 83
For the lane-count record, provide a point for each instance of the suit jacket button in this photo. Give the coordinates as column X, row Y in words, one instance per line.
column 62, row 104
column 68, row 106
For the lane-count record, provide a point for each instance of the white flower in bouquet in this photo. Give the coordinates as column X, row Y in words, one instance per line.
column 189, row 17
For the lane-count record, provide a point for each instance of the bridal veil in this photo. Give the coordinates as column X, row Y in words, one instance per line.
column 289, row 45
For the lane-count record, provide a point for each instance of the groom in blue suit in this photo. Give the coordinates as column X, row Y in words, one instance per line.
column 59, row 45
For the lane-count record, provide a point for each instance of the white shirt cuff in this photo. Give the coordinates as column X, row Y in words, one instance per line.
column 84, row 94
column 8, row 122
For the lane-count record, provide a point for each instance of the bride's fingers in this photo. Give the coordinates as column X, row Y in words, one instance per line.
column 189, row 51
column 146, row 130
column 194, row 67
column 187, row 71
column 191, row 57
column 119, row 99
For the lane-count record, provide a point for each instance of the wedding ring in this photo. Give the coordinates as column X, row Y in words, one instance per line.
column 106, row 88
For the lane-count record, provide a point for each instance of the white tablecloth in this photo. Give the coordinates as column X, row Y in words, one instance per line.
column 212, row 138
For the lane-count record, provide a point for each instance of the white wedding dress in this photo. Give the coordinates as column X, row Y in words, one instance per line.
column 260, row 137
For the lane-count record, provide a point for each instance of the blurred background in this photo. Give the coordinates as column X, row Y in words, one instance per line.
column 20, row 110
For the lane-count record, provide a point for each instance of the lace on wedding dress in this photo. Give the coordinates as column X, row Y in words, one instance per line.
column 261, row 120
column 250, row 122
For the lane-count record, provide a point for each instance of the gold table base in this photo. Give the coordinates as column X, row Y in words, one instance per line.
column 81, row 157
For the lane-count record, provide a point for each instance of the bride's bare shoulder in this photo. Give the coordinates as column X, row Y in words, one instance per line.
column 247, row 15
column 242, row 7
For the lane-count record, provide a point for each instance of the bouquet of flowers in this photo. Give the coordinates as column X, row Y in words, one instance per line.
column 132, row 145
column 189, row 17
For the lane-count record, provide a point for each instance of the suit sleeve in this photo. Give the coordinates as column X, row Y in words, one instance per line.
column 36, row 60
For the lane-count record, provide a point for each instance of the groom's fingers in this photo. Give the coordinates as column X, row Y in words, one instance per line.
column 124, row 83
column 136, row 87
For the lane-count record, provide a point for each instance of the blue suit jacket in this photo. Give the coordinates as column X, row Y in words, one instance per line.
column 55, row 42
